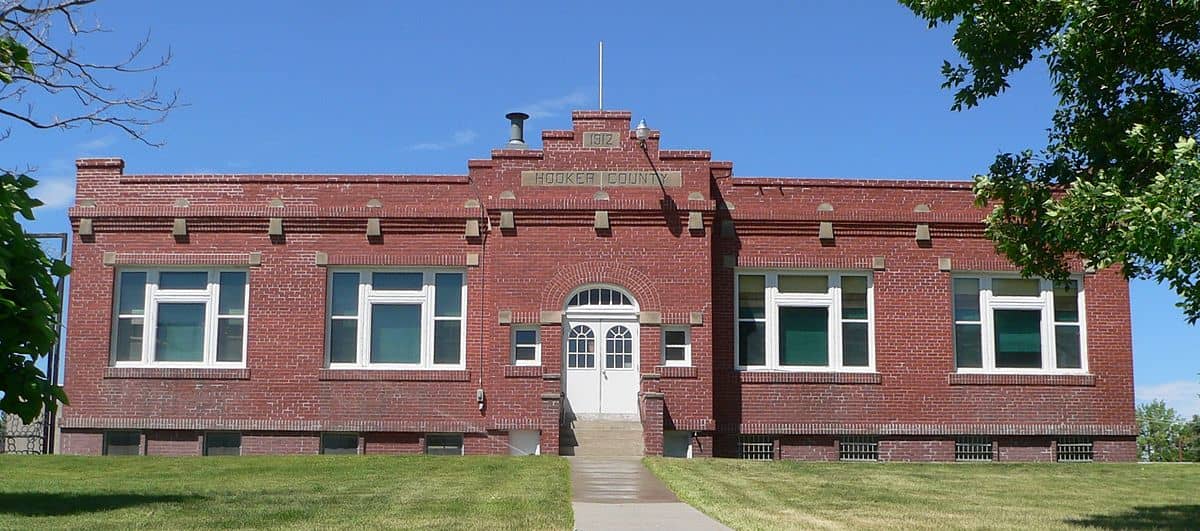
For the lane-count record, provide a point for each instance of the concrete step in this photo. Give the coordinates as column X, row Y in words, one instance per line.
column 602, row 439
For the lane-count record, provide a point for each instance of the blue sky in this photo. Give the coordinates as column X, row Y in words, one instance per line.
column 815, row 89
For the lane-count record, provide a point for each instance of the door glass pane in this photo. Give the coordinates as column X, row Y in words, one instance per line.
column 803, row 336
column 1018, row 338
column 1015, row 287
column 855, row 350
column 1066, row 302
column 129, row 340
column 968, row 346
column 581, row 348
column 233, row 294
column 229, row 339
column 803, row 284
column 180, row 332
column 344, row 300
column 447, row 341
column 396, row 333
column 752, row 337
column 397, row 281
column 618, row 348
column 183, row 280
column 751, row 298
column 132, row 299
column 854, row 297
column 1066, row 346
column 966, row 299
column 343, row 340
column 447, row 294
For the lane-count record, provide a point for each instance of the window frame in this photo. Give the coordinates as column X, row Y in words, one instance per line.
column 537, row 345
column 1044, row 302
column 831, row 300
column 368, row 296
column 687, row 346
column 153, row 296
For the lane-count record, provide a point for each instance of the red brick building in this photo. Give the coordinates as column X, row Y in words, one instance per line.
column 599, row 277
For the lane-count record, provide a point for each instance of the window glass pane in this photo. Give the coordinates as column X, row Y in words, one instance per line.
column 436, row 444
column 229, row 339
column 1015, row 287
column 803, row 336
column 803, row 284
column 526, row 337
column 129, row 340
column 122, row 443
column 1018, row 338
column 526, row 353
column 1066, row 346
column 397, row 281
column 183, row 280
column 339, row 443
column 968, row 346
column 1066, row 302
column 132, row 299
column 233, row 294
column 751, row 298
column 223, row 443
column 343, row 340
column 448, row 294
column 855, row 350
column 396, row 333
column 675, row 337
column 345, row 294
column 752, row 336
column 854, row 297
column 447, row 341
column 180, row 332
column 966, row 299
column 676, row 354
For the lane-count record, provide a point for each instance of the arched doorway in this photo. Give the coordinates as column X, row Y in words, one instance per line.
column 600, row 353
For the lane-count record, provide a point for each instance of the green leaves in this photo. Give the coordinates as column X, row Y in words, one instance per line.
column 13, row 57
column 29, row 306
column 1119, row 181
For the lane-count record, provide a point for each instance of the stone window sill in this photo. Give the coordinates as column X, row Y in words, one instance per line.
column 1081, row 380
column 176, row 373
column 810, row 377
column 397, row 375
column 522, row 371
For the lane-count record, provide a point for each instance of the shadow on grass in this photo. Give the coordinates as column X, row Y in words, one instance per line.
column 60, row 504
column 1157, row 517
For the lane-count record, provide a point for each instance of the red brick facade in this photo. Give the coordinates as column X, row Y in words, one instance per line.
column 524, row 250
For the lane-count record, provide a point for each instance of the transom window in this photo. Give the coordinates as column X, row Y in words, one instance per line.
column 397, row 319
column 1012, row 324
column 599, row 297
column 804, row 321
column 180, row 318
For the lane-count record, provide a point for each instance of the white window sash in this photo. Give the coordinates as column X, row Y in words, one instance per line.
column 687, row 346
column 537, row 346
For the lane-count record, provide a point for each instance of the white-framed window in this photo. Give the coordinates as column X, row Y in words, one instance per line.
column 526, row 345
column 180, row 317
column 677, row 346
column 804, row 321
column 1005, row 323
column 396, row 319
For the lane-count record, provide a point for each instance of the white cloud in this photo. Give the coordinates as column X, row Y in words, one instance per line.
column 55, row 192
column 460, row 138
column 554, row 106
column 1182, row 395
column 97, row 144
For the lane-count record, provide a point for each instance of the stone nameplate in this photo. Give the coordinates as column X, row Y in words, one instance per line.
column 601, row 139
column 601, row 178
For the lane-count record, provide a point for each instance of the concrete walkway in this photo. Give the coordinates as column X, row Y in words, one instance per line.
column 620, row 493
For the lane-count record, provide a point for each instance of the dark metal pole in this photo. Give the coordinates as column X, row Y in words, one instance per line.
column 49, row 418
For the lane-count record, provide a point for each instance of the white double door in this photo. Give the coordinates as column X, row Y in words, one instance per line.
column 600, row 360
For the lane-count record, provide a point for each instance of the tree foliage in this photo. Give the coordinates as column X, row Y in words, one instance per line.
column 1119, row 179
column 1159, row 432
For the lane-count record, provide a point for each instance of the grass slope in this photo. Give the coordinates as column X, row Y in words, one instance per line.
column 59, row 492
column 790, row 495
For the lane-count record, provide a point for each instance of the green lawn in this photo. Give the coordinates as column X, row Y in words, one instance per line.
column 791, row 495
column 57, row 492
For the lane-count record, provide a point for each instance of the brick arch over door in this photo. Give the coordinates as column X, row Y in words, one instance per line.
column 569, row 278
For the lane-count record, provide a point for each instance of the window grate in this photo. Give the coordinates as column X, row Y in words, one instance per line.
column 1074, row 450
column 858, row 448
column 756, row 447
column 973, row 449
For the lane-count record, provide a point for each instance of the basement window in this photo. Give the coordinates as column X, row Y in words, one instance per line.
column 122, row 443
column 973, row 449
column 444, row 444
column 339, row 443
column 756, row 447
column 223, row 443
column 1074, row 450
column 858, row 448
